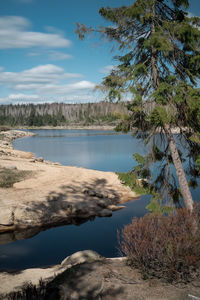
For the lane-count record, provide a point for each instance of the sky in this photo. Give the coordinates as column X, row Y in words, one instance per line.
column 41, row 57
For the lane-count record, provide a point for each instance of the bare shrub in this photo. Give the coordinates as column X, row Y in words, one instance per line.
column 164, row 246
column 29, row 292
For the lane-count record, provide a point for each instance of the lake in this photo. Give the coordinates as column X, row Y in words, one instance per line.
column 100, row 150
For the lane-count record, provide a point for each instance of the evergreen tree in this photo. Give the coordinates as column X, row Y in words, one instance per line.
column 159, row 68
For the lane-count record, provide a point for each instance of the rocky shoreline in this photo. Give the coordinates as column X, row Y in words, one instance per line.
column 53, row 195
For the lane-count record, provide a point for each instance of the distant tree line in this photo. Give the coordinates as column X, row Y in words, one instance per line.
column 56, row 114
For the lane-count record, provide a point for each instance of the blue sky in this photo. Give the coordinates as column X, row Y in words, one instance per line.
column 42, row 59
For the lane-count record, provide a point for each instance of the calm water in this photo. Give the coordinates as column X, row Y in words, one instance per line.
column 99, row 150
column 52, row 246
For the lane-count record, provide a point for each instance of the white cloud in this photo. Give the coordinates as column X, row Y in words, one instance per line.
column 17, row 98
column 56, row 55
column 22, row 96
column 82, row 85
column 43, row 74
column 107, row 69
column 14, row 34
column 44, row 83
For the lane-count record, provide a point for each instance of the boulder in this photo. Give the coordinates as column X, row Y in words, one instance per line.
column 80, row 257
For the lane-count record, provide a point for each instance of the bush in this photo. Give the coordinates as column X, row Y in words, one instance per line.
column 164, row 246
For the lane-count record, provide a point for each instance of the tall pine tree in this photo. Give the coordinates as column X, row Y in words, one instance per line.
column 159, row 67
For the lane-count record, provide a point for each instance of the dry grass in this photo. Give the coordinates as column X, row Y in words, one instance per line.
column 9, row 176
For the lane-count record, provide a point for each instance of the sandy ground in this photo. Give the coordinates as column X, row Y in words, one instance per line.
column 53, row 179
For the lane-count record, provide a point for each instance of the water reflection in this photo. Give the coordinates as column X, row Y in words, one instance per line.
column 100, row 150
column 53, row 245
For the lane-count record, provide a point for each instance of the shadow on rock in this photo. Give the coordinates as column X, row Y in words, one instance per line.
column 74, row 204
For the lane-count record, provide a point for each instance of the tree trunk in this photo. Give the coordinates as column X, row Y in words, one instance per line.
column 187, row 197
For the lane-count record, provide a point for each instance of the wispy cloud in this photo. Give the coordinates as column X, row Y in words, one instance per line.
column 43, row 74
column 107, row 69
column 16, row 98
column 56, row 55
column 26, row 98
column 44, row 82
column 14, row 33
column 51, row 55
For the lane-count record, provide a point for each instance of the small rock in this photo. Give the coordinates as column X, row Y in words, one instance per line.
column 57, row 164
column 39, row 159
column 4, row 143
column 105, row 213
column 32, row 160
column 115, row 207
